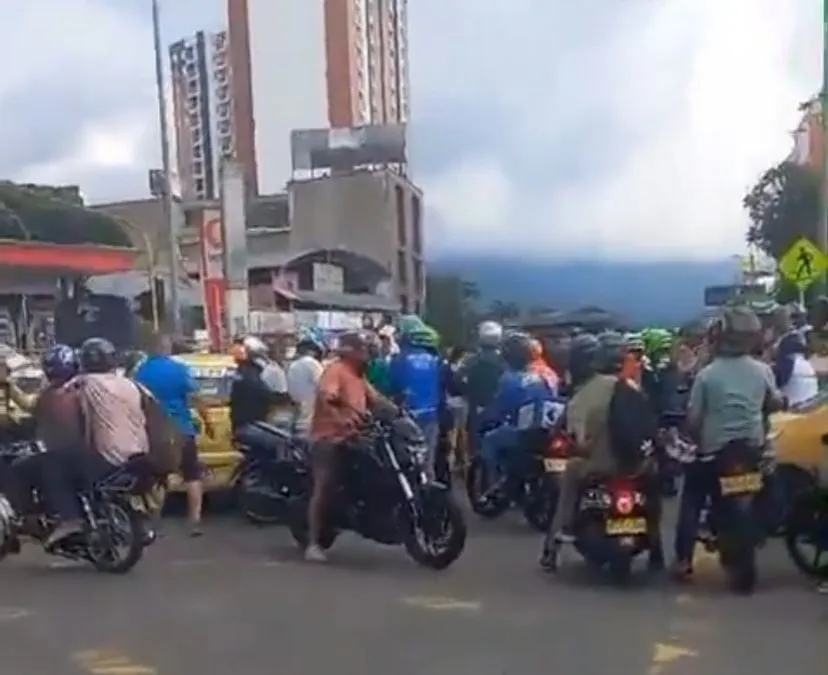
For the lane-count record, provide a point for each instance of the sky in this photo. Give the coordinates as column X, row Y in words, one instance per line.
column 623, row 129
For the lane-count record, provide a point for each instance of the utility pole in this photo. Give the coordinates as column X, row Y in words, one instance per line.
column 822, row 232
column 166, row 161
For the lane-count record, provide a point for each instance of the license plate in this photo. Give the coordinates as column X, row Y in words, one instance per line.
column 625, row 526
column 743, row 484
column 553, row 465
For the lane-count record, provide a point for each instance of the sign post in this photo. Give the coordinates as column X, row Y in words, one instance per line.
column 802, row 265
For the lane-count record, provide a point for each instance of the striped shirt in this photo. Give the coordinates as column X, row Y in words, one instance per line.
column 115, row 419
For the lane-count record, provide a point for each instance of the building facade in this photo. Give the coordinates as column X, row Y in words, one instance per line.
column 809, row 147
column 202, row 111
column 301, row 64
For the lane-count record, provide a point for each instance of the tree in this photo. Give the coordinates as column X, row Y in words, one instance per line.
column 783, row 206
column 450, row 308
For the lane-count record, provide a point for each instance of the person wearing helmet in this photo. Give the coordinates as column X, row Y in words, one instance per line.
column 607, row 418
column 174, row 387
column 343, row 398
column 415, row 382
column 522, row 403
column 634, row 358
column 303, row 376
column 795, row 375
column 258, row 386
column 479, row 376
column 728, row 403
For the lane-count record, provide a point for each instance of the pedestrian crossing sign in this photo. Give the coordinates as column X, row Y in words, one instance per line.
column 803, row 263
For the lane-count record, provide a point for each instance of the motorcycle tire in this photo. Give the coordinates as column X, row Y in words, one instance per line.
column 247, row 503
column 453, row 542
column 737, row 554
column 477, row 481
column 620, row 569
column 539, row 507
column 808, row 520
column 135, row 533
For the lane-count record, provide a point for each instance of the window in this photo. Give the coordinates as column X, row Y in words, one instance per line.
column 402, row 268
column 404, row 306
column 402, row 239
column 222, row 92
column 197, row 154
column 192, row 103
column 223, row 110
column 196, row 135
column 192, row 86
column 224, row 127
column 198, row 168
column 191, row 70
column 419, row 281
column 416, row 223
column 226, row 147
column 194, row 120
column 199, row 187
column 189, row 54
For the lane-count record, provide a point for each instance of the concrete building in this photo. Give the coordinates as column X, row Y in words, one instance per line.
column 363, row 228
column 300, row 64
column 809, row 147
column 202, row 111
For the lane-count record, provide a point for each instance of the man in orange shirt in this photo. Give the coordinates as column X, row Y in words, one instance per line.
column 343, row 399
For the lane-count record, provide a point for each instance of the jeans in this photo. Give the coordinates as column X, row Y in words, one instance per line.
column 700, row 486
column 497, row 449
column 67, row 472
column 431, row 431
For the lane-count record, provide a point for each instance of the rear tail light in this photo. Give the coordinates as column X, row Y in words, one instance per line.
column 559, row 446
column 624, row 502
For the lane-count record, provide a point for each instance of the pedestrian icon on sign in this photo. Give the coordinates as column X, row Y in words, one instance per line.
column 805, row 263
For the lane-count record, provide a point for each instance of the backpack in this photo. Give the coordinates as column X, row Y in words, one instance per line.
column 165, row 440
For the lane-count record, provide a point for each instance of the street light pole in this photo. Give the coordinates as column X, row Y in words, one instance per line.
column 166, row 161
column 822, row 232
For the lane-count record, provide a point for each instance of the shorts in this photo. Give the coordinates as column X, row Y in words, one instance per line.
column 190, row 469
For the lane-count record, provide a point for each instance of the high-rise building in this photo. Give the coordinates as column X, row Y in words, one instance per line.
column 300, row 64
column 203, row 111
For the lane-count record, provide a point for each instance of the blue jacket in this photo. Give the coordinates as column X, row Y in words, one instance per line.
column 523, row 400
column 415, row 377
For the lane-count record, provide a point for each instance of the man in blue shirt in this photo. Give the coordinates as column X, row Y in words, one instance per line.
column 415, row 381
column 172, row 384
column 524, row 400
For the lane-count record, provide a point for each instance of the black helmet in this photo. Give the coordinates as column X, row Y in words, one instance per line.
column 737, row 331
column 583, row 351
column 98, row 355
column 612, row 346
column 516, row 350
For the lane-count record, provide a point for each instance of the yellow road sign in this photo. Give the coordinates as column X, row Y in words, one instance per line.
column 803, row 263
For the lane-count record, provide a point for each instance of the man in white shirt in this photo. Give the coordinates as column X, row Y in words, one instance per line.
column 302, row 377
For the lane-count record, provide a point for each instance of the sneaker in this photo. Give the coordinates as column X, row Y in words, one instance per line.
column 313, row 553
column 195, row 529
column 565, row 538
column 681, row 571
column 62, row 531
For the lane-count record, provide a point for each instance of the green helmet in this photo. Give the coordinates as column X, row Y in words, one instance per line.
column 657, row 342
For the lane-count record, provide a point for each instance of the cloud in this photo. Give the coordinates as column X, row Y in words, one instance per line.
column 619, row 128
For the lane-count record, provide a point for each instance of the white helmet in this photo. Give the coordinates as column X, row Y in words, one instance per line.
column 489, row 334
column 255, row 350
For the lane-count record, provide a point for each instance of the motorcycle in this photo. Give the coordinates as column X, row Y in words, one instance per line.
column 735, row 522
column 114, row 509
column 610, row 524
column 533, row 483
column 269, row 473
column 807, row 525
column 384, row 495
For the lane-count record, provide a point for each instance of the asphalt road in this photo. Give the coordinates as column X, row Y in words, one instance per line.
column 240, row 600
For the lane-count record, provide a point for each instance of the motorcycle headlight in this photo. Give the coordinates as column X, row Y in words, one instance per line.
column 418, row 452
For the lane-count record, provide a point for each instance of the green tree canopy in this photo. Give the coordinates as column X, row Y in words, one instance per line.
column 783, row 206
column 450, row 308
column 54, row 216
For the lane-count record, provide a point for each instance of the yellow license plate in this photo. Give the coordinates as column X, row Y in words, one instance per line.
column 621, row 526
column 743, row 484
column 553, row 465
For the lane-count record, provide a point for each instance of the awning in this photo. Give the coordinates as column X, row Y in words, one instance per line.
column 81, row 259
column 285, row 293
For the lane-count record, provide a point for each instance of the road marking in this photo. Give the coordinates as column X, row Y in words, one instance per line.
column 13, row 613
column 665, row 654
column 442, row 604
column 194, row 562
column 683, row 599
column 111, row 662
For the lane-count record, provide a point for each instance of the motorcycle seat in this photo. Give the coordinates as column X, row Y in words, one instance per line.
column 135, row 473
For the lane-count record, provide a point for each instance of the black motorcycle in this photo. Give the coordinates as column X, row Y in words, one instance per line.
column 532, row 481
column 385, row 495
column 115, row 516
column 806, row 531
column 270, row 472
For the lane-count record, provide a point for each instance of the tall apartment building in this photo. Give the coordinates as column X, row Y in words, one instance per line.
column 301, row 64
column 203, row 111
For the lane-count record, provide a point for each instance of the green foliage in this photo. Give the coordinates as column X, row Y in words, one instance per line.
column 783, row 206
column 450, row 308
column 42, row 214
column 503, row 311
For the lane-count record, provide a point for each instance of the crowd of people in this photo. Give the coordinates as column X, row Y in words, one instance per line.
column 612, row 391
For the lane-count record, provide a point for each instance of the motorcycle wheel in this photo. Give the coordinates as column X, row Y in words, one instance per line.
column 477, row 482
column 445, row 539
column 620, row 569
column 248, row 503
column 539, row 506
column 737, row 552
column 120, row 543
column 298, row 525
column 808, row 523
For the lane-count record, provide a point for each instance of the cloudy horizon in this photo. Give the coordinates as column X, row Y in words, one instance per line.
column 626, row 129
